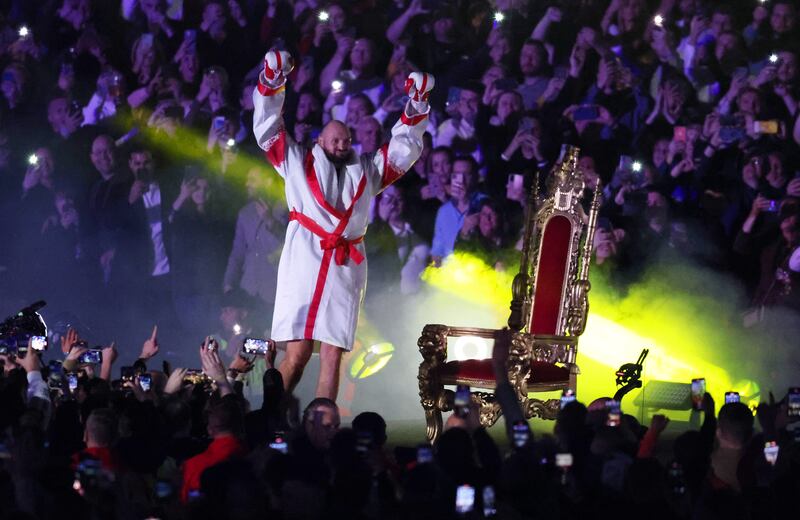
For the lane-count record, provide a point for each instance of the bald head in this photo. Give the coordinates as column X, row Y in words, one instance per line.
column 335, row 140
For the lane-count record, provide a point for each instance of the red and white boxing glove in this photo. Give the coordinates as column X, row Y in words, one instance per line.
column 277, row 66
column 418, row 88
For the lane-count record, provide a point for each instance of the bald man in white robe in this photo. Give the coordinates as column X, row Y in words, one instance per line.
column 322, row 274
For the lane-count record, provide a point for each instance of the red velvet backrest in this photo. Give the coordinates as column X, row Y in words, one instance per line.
column 551, row 276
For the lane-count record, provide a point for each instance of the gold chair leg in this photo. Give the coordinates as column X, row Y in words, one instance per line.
column 433, row 420
column 573, row 378
column 433, row 347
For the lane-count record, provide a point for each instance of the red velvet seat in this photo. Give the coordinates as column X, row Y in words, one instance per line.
column 479, row 373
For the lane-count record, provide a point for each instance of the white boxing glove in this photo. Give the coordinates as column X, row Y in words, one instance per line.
column 418, row 88
column 277, row 65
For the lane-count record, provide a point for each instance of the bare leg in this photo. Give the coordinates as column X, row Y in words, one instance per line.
column 297, row 355
column 330, row 359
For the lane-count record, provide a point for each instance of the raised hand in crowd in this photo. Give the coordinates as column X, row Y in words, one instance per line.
column 577, row 59
column 772, row 417
column 175, row 381
column 236, row 13
column 240, row 365
column 31, row 361
column 77, row 349
column 150, row 345
column 107, row 363
column 213, row 367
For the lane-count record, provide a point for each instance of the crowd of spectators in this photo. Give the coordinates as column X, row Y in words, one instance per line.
column 132, row 192
column 177, row 443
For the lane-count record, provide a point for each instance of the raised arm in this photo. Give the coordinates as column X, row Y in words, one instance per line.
column 405, row 146
column 268, row 100
column 395, row 31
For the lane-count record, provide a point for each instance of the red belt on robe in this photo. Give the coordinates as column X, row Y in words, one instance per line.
column 343, row 248
column 330, row 242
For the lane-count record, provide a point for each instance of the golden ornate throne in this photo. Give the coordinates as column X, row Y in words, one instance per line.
column 548, row 311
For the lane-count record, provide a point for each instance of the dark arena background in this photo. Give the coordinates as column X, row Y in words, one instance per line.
column 139, row 218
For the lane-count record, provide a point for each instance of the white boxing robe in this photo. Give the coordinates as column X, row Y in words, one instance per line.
column 322, row 274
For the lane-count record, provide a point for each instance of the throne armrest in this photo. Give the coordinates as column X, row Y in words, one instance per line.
column 433, row 341
column 554, row 349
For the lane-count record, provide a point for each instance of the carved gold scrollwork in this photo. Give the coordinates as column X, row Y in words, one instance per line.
column 519, row 363
column 433, row 347
column 544, row 409
column 488, row 408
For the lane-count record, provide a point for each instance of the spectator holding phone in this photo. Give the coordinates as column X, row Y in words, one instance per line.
column 252, row 263
column 196, row 227
column 459, row 132
column 399, row 254
column 773, row 249
column 464, row 201
column 486, row 234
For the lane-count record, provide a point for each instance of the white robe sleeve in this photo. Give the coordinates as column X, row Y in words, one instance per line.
column 394, row 159
column 268, row 128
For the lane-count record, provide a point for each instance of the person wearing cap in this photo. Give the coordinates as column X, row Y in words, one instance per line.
column 322, row 272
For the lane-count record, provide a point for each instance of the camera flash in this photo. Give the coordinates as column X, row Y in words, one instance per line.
column 24, row 32
column 773, row 58
column 658, row 20
column 323, row 16
column 636, row 166
column 33, row 160
column 499, row 17
column 337, row 85
column 237, row 329
column 230, row 142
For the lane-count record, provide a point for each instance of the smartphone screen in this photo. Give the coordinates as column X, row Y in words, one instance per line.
column 567, row 396
column 424, row 454
column 698, row 390
column 91, row 357
column 731, row 397
column 461, row 401
column 771, row 450
column 145, row 381
column 489, row 509
column 766, row 127
column 679, row 134
column 794, row 402
column 72, row 381
column 453, row 96
column 127, row 373
column 39, row 343
column 163, row 489
column 586, row 113
column 564, row 460
column 256, row 346
column 614, row 413
column 465, row 499
column 676, row 479
column 521, row 433
column 219, row 123
column 279, row 444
